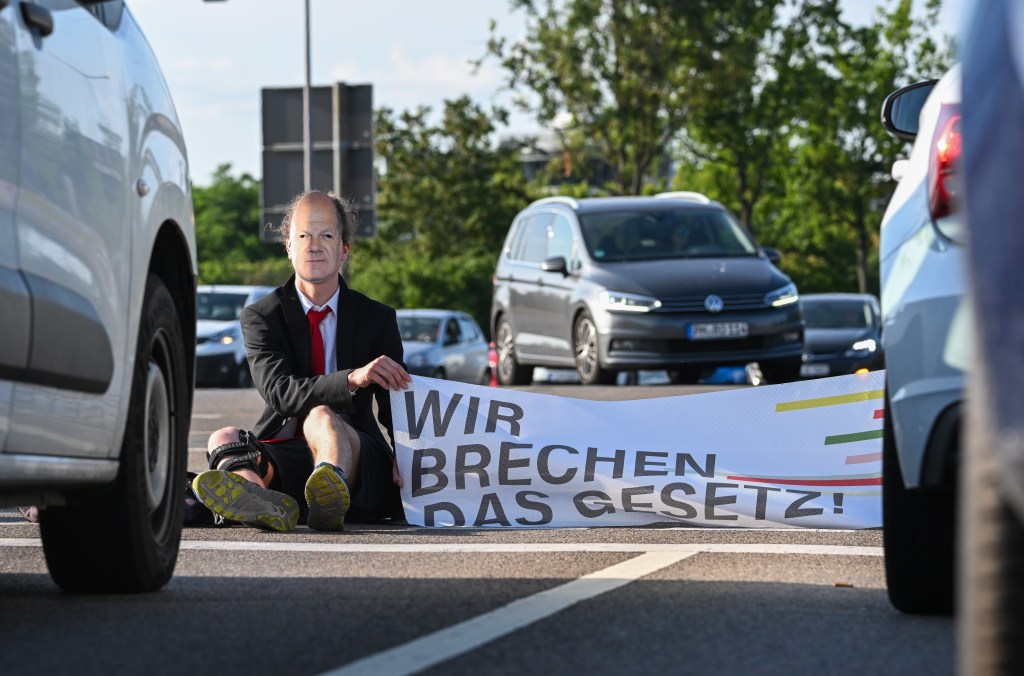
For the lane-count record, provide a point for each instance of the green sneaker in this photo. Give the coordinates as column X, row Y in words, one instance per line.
column 328, row 498
column 234, row 498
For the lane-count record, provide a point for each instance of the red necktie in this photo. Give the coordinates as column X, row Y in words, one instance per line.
column 317, row 339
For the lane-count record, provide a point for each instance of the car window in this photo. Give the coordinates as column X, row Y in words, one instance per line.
column 419, row 329
column 669, row 233
column 469, row 329
column 831, row 314
column 452, row 333
column 560, row 238
column 533, row 239
column 219, row 306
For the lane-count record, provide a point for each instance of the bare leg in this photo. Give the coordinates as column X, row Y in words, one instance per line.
column 229, row 435
column 241, row 494
column 332, row 440
column 328, row 494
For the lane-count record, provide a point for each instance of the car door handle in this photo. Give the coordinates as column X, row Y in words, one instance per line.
column 37, row 17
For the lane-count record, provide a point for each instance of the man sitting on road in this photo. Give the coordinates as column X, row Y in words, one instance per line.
column 319, row 353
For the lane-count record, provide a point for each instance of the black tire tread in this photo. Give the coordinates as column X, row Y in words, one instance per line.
column 105, row 542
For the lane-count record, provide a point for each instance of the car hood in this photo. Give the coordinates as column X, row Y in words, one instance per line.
column 209, row 327
column 411, row 347
column 834, row 340
column 692, row 276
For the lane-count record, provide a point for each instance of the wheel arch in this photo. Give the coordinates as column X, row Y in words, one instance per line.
column 172, row 263
column 941, row 458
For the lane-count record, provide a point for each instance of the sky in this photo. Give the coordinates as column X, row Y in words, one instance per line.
column 216, row 56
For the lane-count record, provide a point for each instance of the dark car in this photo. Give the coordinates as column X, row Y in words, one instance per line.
column 622, row 283
column 842, row 334
column 444, row 344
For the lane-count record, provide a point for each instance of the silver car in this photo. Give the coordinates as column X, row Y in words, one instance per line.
column 97, row 291
column 444, row 344
column 220, row 351
column 926, row 332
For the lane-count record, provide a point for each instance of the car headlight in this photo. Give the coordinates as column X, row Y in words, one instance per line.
column 786, row 295
column 225, row 337
column 419, row 359
column 614, row 301
column 862, row 348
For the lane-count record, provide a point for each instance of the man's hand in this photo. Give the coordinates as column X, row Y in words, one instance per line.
column 383, row 371
column 395, row 476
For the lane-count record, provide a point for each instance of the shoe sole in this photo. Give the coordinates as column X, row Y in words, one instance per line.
column 328, row 499
column 234, row 498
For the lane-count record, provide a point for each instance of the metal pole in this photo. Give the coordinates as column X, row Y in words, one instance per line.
column 307, row 142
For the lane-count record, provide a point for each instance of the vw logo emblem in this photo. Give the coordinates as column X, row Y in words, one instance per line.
column 714, row 303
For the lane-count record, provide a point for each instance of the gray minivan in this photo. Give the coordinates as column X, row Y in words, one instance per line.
column 670, row 282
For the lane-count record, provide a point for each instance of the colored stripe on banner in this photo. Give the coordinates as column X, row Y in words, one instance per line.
column 852, row 437
column 858, row 481
column 828, row 401
column 862, row 458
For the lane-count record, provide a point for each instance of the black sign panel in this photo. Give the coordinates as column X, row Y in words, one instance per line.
column 341, row 130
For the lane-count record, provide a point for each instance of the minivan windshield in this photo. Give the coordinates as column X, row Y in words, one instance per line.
column 219, row 305
column 669, row 233
column 837, row 314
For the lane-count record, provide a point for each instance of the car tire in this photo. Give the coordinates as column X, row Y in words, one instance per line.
column 439, row 374
column 685, row 375
column 510, row 371
column 125, row 539
column 918, row 534
column 782, row 371
column 243, row 378
column 586, row 353
column 990, row 607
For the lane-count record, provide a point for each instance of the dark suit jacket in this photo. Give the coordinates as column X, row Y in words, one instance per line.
column 277, row 343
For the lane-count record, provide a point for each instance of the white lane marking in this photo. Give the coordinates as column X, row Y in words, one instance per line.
column 509, row 548
column 441, row 646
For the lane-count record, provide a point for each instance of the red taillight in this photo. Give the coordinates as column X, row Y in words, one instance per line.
column 943, row 187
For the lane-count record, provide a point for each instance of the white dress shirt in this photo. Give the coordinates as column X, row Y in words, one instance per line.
column 328, row 327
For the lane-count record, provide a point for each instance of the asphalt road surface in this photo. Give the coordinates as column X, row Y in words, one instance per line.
column 400, row 599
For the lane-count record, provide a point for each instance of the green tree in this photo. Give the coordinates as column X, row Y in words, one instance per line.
column 446, row 197
column 621, row 70
column 754, row 69
column 838, row 185
column 227, row 233
column 785, row 130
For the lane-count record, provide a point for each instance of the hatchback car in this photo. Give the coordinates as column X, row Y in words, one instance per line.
column 97, row 286
column 927, row 338
column 842, row 334
column 444, row 344
column 621, row 283
column 220, row 352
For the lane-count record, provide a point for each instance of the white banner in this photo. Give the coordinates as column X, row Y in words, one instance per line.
column 805, row 454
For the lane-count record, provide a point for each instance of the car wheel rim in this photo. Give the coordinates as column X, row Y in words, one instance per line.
column 506, row 352
column 586, row 347
column 157, row 433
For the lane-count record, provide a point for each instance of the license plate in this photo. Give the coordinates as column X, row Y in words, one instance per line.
column 717, row 330
column 814, row 369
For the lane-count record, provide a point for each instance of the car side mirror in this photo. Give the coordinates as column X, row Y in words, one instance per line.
column 901, row 110
column 555, row 264
column 899, row 169
column 773, row 254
